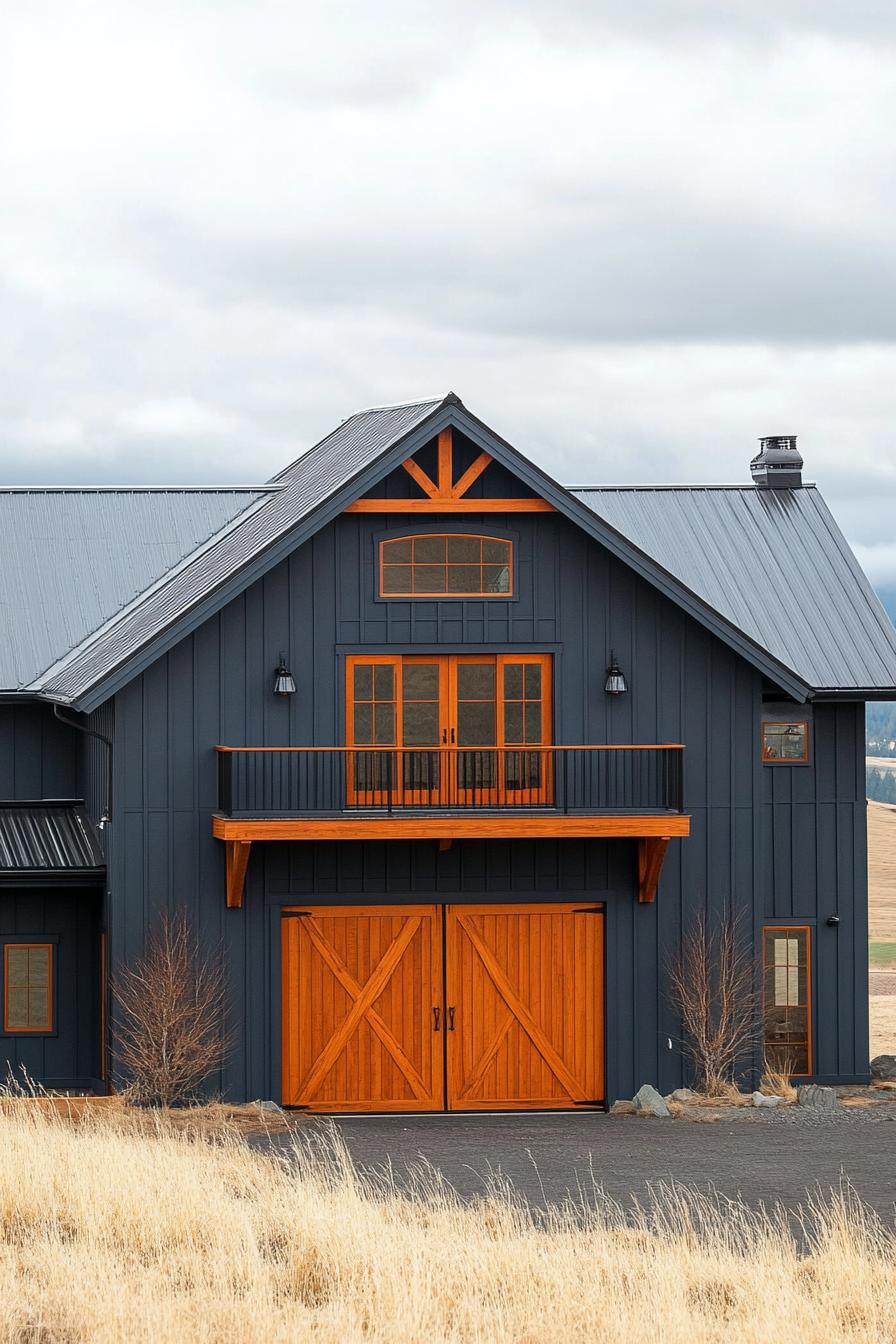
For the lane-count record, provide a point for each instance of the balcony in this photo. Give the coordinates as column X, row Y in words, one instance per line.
column 449, row 793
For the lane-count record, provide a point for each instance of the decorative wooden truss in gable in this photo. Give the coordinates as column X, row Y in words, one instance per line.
column 447, row 495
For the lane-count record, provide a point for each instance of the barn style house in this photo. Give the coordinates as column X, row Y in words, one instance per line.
column 443, row 759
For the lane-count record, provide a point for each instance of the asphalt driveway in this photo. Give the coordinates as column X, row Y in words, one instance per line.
column 549, row 1157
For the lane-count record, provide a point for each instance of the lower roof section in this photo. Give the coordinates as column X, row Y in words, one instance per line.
column 48, row 836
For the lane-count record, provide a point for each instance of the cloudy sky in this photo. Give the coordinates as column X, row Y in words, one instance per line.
column 632, row 236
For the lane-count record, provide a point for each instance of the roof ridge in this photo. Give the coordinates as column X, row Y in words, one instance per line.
column 692, row 485
column 264, row 488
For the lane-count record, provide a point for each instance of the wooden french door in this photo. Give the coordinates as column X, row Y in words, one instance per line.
column 373, row 1020
column 465, row 729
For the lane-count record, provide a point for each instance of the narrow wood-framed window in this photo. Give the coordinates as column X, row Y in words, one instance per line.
column 787, row 997
column 442, row 564
column 28, row 987
column 785, row 743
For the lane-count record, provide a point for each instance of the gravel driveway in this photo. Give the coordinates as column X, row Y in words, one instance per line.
column 762, row 1157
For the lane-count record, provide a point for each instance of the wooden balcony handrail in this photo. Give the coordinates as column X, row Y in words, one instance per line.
column 492, row 746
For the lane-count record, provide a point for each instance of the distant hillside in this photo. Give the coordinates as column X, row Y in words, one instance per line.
column 882, row 873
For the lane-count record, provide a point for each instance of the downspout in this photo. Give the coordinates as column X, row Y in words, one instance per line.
column 107, row 743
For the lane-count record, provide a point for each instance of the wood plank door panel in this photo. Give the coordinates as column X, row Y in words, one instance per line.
column 525, row 984
column 360, row 986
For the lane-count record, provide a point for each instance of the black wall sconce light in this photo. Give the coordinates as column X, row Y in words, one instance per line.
column 615, row 683
column 284, row 681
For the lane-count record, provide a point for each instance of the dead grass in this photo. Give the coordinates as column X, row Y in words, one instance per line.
column 111, row 1231
column 882, row 872
column 776, row 1082
column 883, row 1025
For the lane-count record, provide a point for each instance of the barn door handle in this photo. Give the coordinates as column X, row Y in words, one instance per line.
column 435, row 1019
column 450, row 1019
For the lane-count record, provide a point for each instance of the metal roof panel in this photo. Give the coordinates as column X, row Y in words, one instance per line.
column 71, row 559
column 47, row 837
column 775, row 564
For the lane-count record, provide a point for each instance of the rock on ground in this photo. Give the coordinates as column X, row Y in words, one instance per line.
column 760, row 1099
column 648, row 1099
column 818, row 1098
column 883, row 1068
column 623, row 1108
column 683, row 1094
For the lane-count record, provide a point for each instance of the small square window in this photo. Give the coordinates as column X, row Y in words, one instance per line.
column 28, row 987
column 785, row 743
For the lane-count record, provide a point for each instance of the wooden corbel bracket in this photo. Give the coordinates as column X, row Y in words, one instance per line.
column 651, row 854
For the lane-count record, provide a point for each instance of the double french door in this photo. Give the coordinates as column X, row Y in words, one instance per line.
column 445, row 730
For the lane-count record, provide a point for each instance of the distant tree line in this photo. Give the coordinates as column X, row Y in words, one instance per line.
column 881, row 785
column 880, row 728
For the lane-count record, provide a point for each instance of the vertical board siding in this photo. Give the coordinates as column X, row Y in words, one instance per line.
column 770, row 842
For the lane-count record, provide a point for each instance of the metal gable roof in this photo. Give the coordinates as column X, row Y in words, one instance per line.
column 71, row 559
column 47, row 837
column 301, row 488
column 721, row 575
column 774, row 564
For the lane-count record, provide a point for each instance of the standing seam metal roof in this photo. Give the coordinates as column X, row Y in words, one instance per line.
column 769, row 566
column 71, row 559
column 774, row 563
column 47, row 837
column 304, row 484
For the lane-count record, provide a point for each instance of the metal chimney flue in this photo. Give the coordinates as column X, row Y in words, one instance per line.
column 777, row 465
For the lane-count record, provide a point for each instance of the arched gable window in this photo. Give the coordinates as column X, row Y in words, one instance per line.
column 436, row 564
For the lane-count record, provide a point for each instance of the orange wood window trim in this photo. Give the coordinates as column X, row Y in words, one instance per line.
column 43, row 1028
column 445, row 495
column 807, row 930
column 448, row 594
column 449, row 698
column 768, row 759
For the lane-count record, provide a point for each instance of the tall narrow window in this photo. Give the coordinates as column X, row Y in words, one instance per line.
column 437, row 565
column 787, row 999
column 27, row 987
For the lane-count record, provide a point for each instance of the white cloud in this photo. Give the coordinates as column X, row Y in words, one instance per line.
column 633, row 238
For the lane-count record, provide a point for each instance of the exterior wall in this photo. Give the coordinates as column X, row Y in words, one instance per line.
column 38, row 754
column 43, row 758
column 760, row 834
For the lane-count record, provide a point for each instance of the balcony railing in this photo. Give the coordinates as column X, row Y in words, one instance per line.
column 260, row 782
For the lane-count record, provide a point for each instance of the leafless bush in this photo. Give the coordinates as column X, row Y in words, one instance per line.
column 170, row 1024
column 712, row 987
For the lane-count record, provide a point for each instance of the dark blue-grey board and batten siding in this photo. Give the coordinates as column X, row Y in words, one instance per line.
column 773, row 843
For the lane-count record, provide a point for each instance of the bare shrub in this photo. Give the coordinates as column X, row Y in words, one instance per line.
column 170, row 1025
column 712, row 987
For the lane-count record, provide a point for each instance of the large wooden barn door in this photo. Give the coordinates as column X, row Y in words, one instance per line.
column 362, row 1008
column 524, row 1006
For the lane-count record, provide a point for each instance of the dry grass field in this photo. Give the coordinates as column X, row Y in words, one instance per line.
column 882, row 926
column 117, row 1233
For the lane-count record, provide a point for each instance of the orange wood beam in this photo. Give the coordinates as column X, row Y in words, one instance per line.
column 236, row 862
column 446, row 462
column 417, row 474
column 450, row 826
column 451, row 505
column 472, row 473
column 651, row 854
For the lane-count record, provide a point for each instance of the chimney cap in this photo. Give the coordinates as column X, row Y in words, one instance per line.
column 778, row 465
